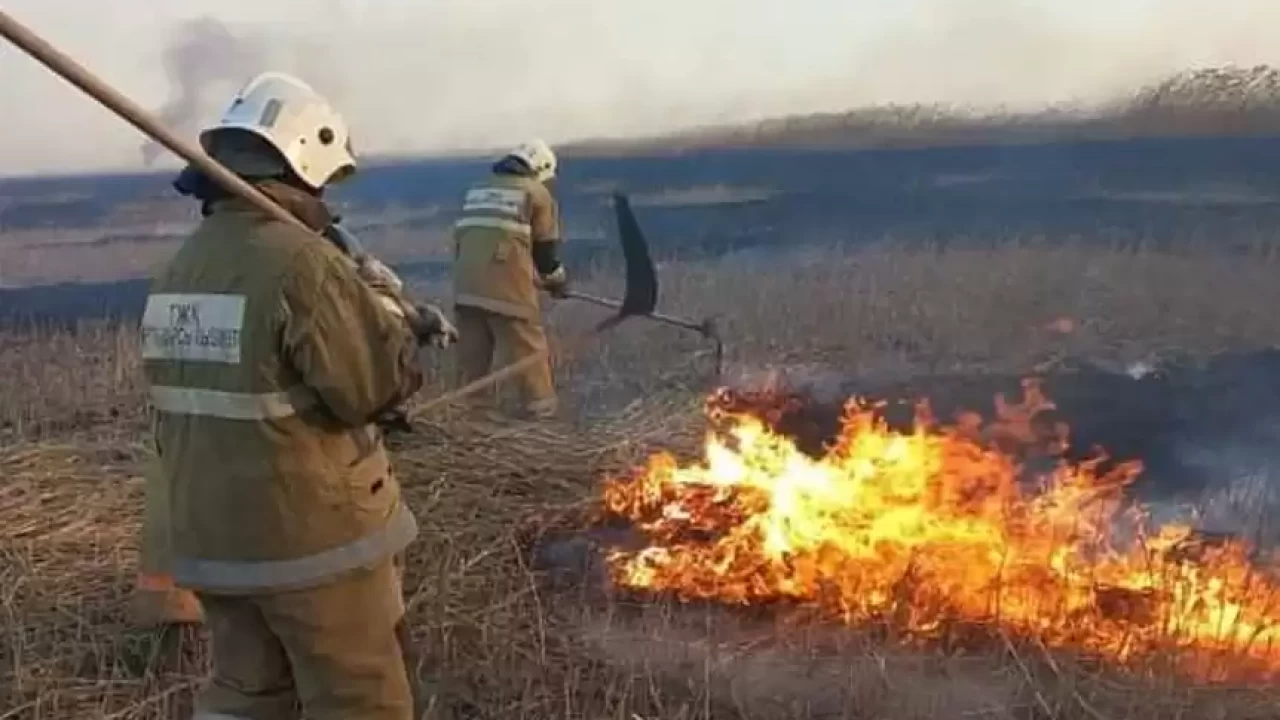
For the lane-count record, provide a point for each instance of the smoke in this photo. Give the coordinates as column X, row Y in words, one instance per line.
column 203, row 59
column 206, row 61
column 574, row 71
column 1245, row 492
column 1208, row 446
column 459, row 74
column 1025, row 54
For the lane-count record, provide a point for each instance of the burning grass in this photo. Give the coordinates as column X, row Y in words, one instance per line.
column 495, row 636
column 506, row 622
column 933, row 533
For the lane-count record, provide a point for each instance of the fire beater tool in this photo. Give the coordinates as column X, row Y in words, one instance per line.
column 641, row 297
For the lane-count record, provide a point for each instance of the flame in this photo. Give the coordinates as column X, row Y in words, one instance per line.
column 937, row 527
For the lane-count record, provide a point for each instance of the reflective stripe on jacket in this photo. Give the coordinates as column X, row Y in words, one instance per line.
column 267, row 360
column 493, row 239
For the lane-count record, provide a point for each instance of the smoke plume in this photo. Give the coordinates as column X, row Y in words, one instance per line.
column 453, row 74
column 204, row 61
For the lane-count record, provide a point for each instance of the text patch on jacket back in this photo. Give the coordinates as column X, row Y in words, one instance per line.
column 198, row 327
column 508, row 201
column 495, row 207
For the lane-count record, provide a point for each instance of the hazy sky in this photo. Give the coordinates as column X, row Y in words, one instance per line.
column 423, row 75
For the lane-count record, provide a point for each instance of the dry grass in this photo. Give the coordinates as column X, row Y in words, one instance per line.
column 498, row 638
column 59, row 381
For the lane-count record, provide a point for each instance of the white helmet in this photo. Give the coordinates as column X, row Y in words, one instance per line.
column 287, row 113
column 539, row 157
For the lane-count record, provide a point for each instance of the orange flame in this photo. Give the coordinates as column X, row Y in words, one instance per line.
column 933, row 527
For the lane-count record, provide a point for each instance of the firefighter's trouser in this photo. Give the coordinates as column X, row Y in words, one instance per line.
column 488, row 341
column 156, row 599
column 330, row 652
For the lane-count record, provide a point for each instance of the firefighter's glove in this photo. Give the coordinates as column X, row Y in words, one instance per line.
column 386, row 285
column 378, row 276
column 431, row 327
column 556, row 283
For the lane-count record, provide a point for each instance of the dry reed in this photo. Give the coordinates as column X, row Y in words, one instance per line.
column 495, row 637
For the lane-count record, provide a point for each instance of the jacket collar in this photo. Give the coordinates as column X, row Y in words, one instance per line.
column 308, row 208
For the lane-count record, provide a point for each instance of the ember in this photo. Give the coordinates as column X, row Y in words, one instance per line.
column 937, row 525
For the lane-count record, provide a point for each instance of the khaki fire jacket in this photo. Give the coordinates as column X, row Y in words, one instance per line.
column 267, row 361
column 493, row 244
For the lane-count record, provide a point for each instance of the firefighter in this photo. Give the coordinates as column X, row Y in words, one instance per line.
column 506, row 244
column 267, row 359
column 157, row 601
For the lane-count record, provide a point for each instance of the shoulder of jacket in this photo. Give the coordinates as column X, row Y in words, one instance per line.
column 541, row 193
column 313, row 257
column 285, row 232
column 253, row 225
column 504, row 180
column 300, row 259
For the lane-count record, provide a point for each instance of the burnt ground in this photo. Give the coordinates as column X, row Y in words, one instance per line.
column 1153, row 193
column 1196, row 429
column 1199, row 431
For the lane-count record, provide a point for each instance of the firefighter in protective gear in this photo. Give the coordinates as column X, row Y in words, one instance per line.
column 506, row 248
column 267, row 359
column 157, row 600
